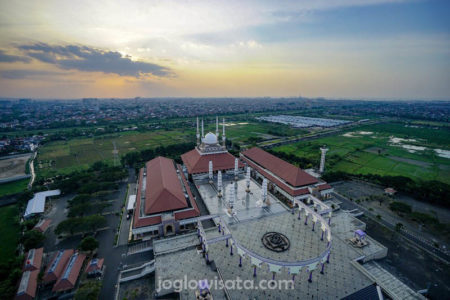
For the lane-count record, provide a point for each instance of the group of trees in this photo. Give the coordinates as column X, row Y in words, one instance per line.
column 85, row 204
column 10, row 273
column 81, row 224
column 137, row 159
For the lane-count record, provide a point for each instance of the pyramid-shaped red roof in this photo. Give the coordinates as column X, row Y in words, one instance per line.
column 163, row 191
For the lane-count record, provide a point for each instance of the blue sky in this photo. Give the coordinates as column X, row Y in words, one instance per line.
column 325, row 48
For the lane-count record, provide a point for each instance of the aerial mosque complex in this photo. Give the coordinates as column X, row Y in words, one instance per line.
column 254, row 218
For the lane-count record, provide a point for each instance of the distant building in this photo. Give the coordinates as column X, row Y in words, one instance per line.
column 390, row 191
column 163, row 200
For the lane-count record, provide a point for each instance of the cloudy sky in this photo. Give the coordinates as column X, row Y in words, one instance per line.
column 328, row 48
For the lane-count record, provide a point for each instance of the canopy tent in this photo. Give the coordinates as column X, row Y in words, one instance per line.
column 36, row 205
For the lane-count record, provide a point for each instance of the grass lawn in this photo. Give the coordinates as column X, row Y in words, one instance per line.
column 14, row 187
column 357, row 153
column 9, row 231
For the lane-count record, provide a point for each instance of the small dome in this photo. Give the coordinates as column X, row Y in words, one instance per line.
column 210, row 138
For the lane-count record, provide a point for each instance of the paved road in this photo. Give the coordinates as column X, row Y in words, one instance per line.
column 33, row 174
column 125, row 226
column 347, row 204
column 115, row 257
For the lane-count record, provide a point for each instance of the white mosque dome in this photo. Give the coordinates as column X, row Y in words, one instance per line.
column 210, row 138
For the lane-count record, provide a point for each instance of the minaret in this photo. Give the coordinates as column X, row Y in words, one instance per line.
column 198, row 134
column 223, row 133
column 264, row 191
column 219, row 184
column 247, row 179
column 210, row 171
column 324, row 150
column 230, row 200
column 203, row 131
column 217, row 128
column 236, row 166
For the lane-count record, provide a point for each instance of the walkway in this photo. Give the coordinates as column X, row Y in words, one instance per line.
column 390, row 283
column 137, row 272
column 140, row 247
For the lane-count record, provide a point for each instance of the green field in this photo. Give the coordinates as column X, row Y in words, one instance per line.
column 14, row 187
column 79, row 153
column 374, row 152
column 62, row 157
column 9, row 231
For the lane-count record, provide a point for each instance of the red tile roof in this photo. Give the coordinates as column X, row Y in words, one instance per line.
column 94, row 264
column 28, row 285
column 137, row 220
column 69, row 277
column 325, row 186
column 191, row 213
column 33, row 259
column 163, row 190
column 293, row 175
column 187, row 211
column 197, row 163
column 56, row 267
column 288, row 189
column 43, row 225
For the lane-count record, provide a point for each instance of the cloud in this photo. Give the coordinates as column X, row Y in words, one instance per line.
column 12, row 58
column 21, row 74
column 88, row 59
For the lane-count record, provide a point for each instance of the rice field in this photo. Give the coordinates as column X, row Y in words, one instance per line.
column 384, row 149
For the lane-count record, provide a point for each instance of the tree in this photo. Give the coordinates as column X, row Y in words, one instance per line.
column 398, row 226
column 81, row 224
column 89, row 291
column 88, row 244
column 32, row 239
column 400, row 207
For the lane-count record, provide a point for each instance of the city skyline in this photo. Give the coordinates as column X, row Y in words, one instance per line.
column 377, row 49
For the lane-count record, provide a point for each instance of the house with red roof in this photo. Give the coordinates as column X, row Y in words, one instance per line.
column 33, row 259
column 57, row 265
column 285, row 178
column 28, row 282
column 42, row 225
column 69, row 277
column 28, row 285
column 95, row 267
column 163, row 200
